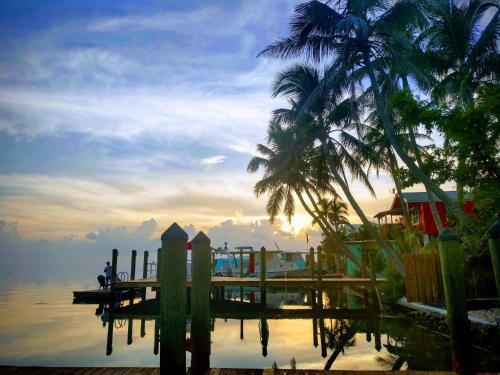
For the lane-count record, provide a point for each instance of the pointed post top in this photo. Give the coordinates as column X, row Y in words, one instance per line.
column 201, row 238
column 174, row 233
column 494, row 231
column 311, row 248
column 448, row 235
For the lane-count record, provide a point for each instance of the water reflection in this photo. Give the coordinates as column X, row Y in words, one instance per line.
column 40, row 326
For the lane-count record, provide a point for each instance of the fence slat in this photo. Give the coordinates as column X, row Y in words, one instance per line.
column 423, row 277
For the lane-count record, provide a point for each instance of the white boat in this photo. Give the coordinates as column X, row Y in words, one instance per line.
column 278, row 262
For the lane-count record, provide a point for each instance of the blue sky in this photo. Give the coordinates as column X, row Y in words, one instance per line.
column 115, row 112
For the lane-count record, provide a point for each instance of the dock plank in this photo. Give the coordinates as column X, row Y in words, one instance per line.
column 255, row 282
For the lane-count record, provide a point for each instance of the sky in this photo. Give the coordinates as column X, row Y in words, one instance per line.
column 114, row 114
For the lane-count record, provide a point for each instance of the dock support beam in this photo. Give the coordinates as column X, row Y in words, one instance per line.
column 200, row 304
column 173, row 301
column 494, row 244
column 130, row 327
column 114, row 264
column 373, row 281
column 313, row 275
column 452, row 265
column 320, row 276
column 263, row 270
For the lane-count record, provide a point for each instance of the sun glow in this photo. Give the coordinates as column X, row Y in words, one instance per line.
column 298, row 224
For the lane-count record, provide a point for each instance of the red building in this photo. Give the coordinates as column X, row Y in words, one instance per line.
column 420, row 212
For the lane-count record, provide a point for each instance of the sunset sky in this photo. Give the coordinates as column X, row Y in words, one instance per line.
column 113, row 113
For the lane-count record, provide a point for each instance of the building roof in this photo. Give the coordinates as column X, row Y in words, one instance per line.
column 421, row 196
column 395, row 212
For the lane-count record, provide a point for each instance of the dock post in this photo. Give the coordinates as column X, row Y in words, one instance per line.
column 158, row 266
column 373, row 281
column 315, row 332
column 320, row 275
column 494, row 245
column 130, row 327
column 263, row 291
column 313, row 276
column 143, row 327
column 322, row 337
column 114, row 264
column 156, row 337
column 200, row 304
column 452, row 266
column 132, row 264
column 109, row 339
column 173, row 301
column 241, row 274
column 145, row 272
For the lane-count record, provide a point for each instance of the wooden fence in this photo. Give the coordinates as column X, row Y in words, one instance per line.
column 424, row 283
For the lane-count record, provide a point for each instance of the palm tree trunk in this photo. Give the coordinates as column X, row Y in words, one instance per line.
column 368, row 225
column 389, row 132
column 334, row 236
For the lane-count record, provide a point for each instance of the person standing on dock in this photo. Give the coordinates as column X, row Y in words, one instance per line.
column 108, row 271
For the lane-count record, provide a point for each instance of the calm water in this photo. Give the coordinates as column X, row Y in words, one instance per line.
column 39, row 325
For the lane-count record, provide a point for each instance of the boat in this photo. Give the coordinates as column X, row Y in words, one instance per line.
column 278, row 263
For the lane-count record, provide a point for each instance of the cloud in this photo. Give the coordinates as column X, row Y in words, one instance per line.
column 213, row 160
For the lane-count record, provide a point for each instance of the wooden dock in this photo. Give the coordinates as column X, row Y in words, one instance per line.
column 255, row 282
column 11, row 370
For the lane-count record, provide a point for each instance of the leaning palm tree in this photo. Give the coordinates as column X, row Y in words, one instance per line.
column 324, row 132
column 352, row 37
column 286, row 164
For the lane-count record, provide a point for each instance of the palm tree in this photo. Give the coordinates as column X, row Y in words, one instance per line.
column 286, row 164
column 334, row 211
column 321, row 124
column 354, row 36
column 462, row 50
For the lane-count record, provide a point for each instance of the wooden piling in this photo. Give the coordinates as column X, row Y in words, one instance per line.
column 145, row 265
column 114, row 264
column 156, row 337
column 313, row 275
column 145, row 272
column 143, row 327
column 109, row 338
column 263, row 270
column 315, row 332
column 132, row 264
column 375, row 306
column 158, row 264
column 319, row 275
column 494, row 245
column 130, row 327
column 173, row 275
column 452, row 265
column 200, row 304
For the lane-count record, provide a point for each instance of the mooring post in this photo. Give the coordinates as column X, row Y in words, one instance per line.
column 313, row 276
column 145, row 272
column 320, row 275
column 156, row 337
column 173, row 301
column 158, row 267
column 263, row 296
column 322, row 337
column 109, row 339
column 264, row 335
column 132, row 264
column 378, row 342
column 200, row 304
column 114, row 264
column 143, row 327
column 452, row 266
column 130, row 327
column 315, row 332
column 241, row 274
column 494, row 245
column 373, row 281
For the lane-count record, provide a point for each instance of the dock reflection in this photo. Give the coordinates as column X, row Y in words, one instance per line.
column 339, row 320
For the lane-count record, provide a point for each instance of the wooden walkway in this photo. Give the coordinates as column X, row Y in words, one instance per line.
column 8, row 370
column 255, row 282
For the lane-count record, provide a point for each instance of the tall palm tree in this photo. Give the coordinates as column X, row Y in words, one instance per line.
column 353, row 36
column 334, row 211
column 322, row 124
column 286, row 164
column 462, row 49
